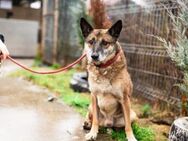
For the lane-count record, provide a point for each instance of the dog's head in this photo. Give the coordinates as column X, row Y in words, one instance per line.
column 100, row 44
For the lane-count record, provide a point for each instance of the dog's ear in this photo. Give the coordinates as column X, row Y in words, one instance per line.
column 2, row 38
column 115, row 30
column 85, row 27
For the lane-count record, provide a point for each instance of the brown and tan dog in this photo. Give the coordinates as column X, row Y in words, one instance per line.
column 109, row 82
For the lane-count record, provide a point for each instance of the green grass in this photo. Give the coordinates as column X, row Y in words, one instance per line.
column 146, row 110
column 59, row 83
column 141, row 133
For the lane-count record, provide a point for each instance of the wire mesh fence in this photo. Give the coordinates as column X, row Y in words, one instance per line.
column 153, row 74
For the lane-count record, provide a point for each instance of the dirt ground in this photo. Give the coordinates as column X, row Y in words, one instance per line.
column 161, row 129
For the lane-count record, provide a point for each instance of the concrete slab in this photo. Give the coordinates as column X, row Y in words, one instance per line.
column 26, row 115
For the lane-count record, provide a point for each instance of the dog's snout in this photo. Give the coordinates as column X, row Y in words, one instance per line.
column 95, row 56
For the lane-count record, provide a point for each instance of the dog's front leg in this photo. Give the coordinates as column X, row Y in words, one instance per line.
column 92, row 135
column 125, row 102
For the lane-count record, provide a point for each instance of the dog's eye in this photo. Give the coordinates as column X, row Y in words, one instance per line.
column 105, row 43
column 91, row 41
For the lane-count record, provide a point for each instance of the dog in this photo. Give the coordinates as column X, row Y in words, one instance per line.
column 109, row 81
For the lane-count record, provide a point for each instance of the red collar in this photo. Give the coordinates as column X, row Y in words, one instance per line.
column 109, row 62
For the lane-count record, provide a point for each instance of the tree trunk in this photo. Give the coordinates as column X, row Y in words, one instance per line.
column 179, row 130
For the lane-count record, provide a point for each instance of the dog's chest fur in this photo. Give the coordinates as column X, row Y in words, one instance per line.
column 102, row 85
column 111, row 80
column 109, row 85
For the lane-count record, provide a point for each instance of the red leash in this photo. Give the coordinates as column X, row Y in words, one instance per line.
column 47, row 72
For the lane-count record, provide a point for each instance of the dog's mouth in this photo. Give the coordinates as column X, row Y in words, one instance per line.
column 97, row 62
column 100, row 60
column 107, row 61
column 95, row 59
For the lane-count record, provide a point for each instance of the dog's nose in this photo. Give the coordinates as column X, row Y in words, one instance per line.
column 95, row 56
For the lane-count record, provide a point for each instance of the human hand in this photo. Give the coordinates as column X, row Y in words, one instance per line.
column 4, row 51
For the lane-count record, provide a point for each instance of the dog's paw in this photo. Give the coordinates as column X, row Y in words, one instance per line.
column 131, row 138
column 91, row 136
